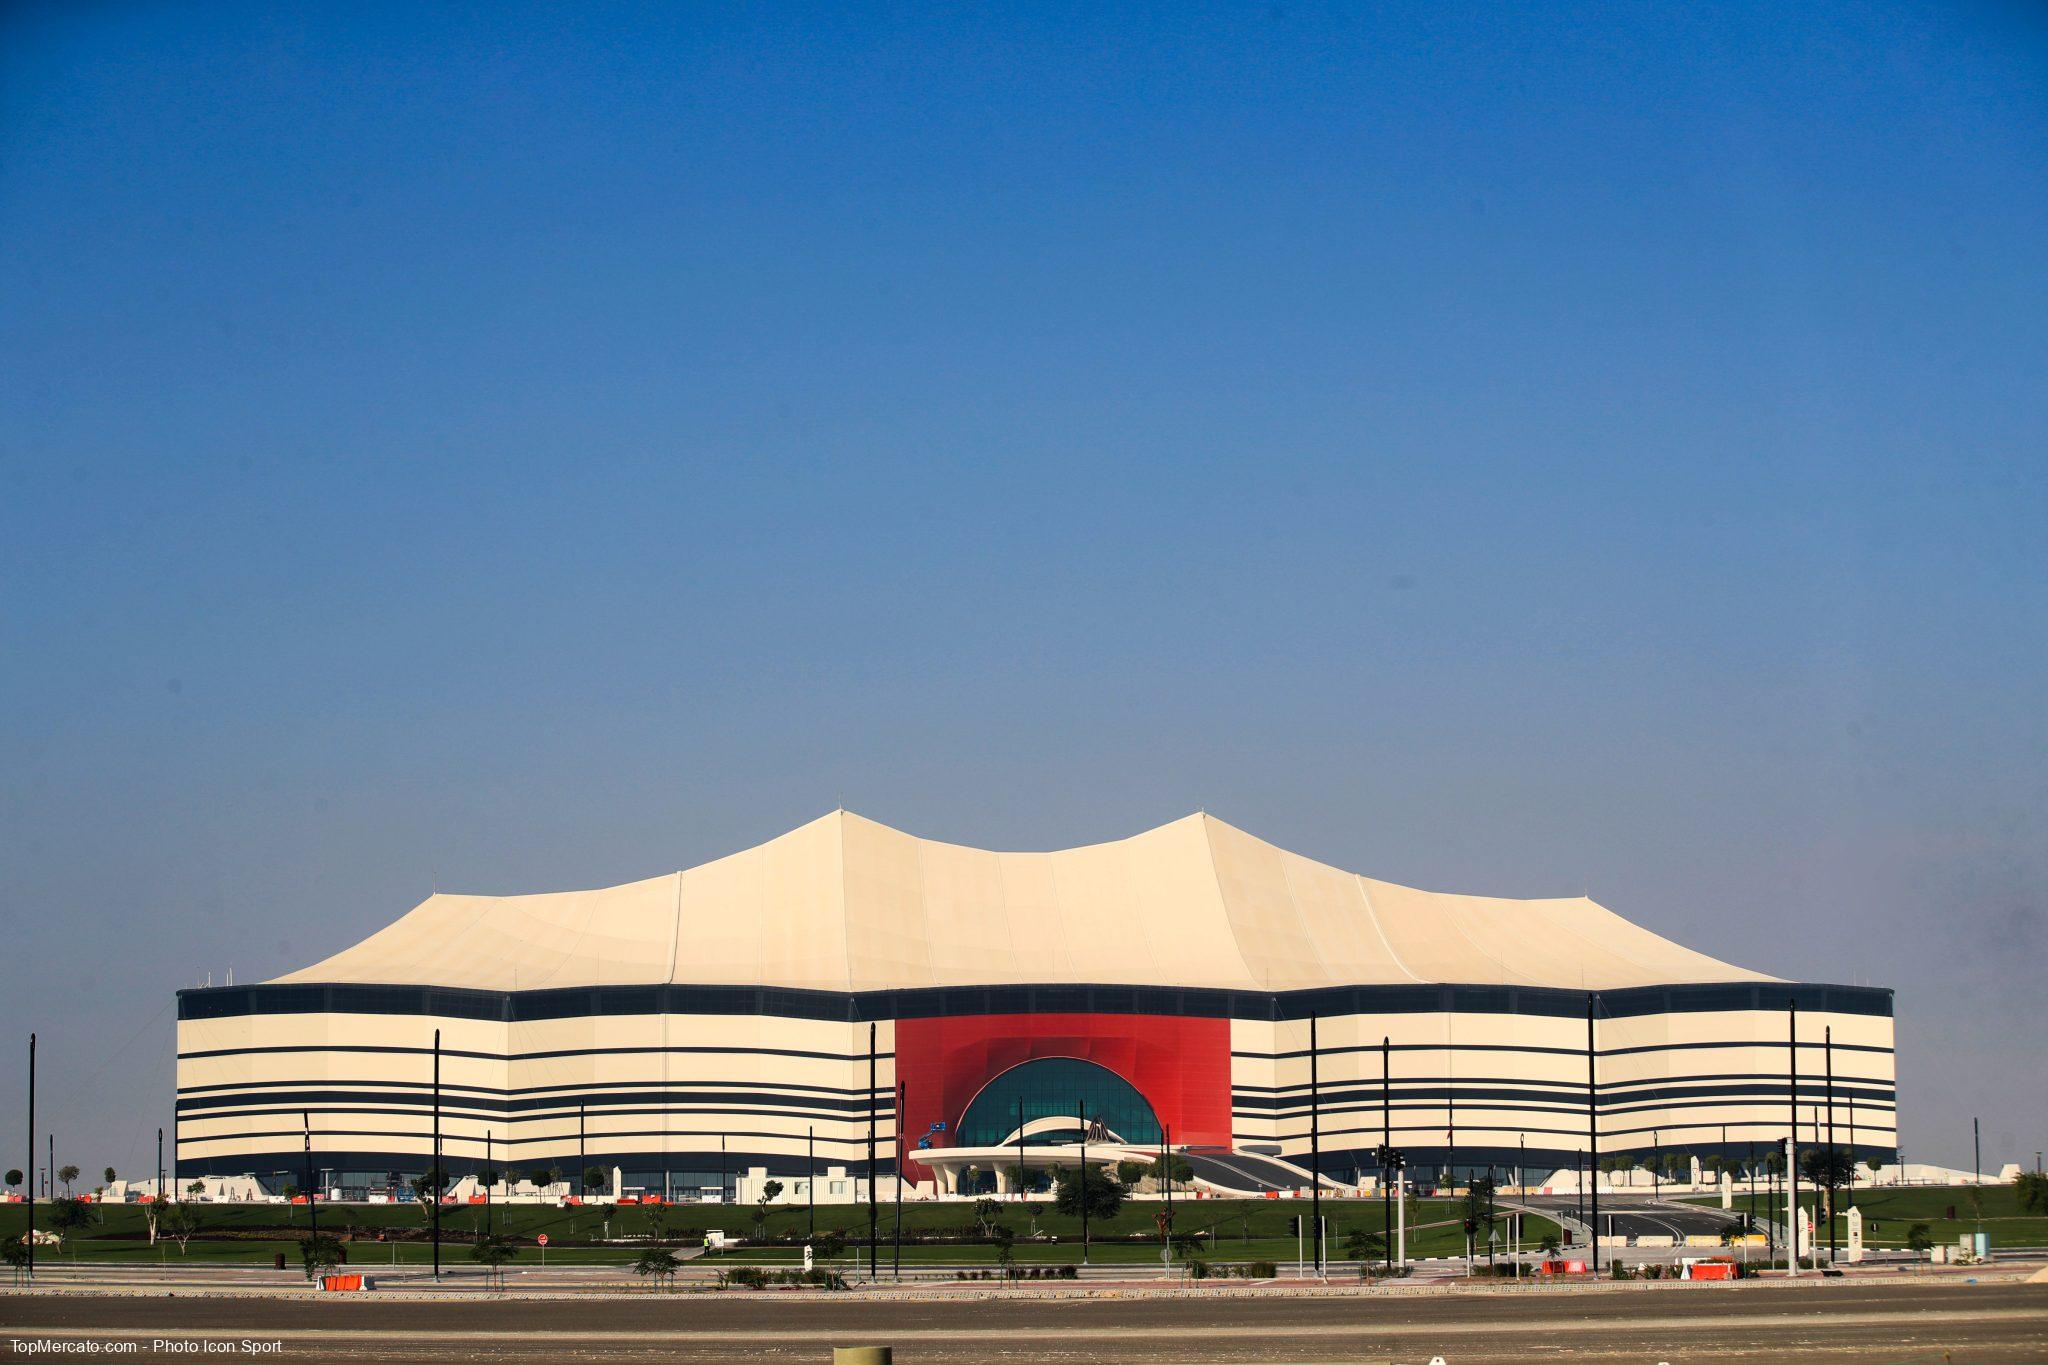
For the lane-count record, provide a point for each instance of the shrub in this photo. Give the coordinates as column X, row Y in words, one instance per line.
column 1198, row 1269
column 1070, row 1272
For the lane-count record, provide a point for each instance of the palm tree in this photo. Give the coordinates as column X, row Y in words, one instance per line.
column 67, row 1174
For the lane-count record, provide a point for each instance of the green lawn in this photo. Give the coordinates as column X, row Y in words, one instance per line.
column 1260, row 1229
column 1888, row 1213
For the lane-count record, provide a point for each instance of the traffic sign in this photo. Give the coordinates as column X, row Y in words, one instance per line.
column 542, row 1239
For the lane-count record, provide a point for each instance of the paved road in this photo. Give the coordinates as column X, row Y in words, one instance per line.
column 1760, row 1322
column 1639, row 1215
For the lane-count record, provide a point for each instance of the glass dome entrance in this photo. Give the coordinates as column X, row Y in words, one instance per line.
column 1053, row 1093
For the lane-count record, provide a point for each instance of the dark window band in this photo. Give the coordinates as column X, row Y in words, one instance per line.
column 223, row 1002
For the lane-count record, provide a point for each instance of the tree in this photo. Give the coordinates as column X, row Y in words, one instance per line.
column 177, row 1222
column 1875, row 1164
column 1178, row 1171
column 196, row 1188
column 769, row 1192
column 492, row 1252
column 291, row 1208
column 1006, row 1244
column 827, row 1244
column 594, row 1178
column 658, row 1264
column 1130, row 1171
column 13, row 1177
column 1087, row 1188
column 970, row 1180
column 15, row 1251
column 1478, row 1208
column 986, row 1211
column 1919, row 1237
column 1549, row 1245
column 1365, row 1246
column 426, row 1187
column 320, row 1253
column 1820, row 1166
column 69, row 1215
column 67, row 1174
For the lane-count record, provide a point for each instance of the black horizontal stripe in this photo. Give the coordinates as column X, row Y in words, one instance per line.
column 500, row 1143
column 1481, row 1089
column 575, row 1088
column 217, row 1002
column 1324, row 1053
column 447, row 1052
column 1851, row 1085
column 287, row 1162
column 422, row 1096
column 485, row 1116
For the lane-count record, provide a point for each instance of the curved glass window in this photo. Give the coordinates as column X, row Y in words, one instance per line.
column 1049, row 1095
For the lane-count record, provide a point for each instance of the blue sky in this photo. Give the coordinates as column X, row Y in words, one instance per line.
column 1524, row 451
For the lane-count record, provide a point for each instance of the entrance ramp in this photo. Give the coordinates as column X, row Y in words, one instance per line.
column 1247, row 1172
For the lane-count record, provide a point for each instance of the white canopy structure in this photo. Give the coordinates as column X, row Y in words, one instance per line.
column 846, row 904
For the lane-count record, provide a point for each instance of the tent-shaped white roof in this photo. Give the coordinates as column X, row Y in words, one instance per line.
column 845, row 904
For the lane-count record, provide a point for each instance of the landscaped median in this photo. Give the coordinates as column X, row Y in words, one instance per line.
column 934, row 1234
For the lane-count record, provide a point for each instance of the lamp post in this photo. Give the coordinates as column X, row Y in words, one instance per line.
column 898, row 1271
column 1082, row 1112
column 1593, row 1131
column 32, row 1158
column 874, row 1210
column 435, row 1177
column 811, row 1177
column 1315, row 1147
column 312, row 1185
column 1388, row 1172
column 1792, row 1145
column 1828, row 1054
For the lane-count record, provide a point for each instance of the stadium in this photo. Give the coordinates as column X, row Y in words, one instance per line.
column 1191, row 988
